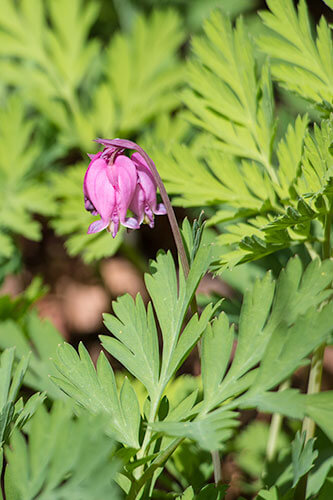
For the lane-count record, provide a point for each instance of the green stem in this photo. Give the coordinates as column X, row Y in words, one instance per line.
column 327, row 235
column 314, row 386
column 311, row 251
column 274, row 428
column 217, row 466
column 158, row 462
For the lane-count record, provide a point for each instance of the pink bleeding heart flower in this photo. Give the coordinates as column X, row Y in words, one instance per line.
column 143, row 203
column 109, row 185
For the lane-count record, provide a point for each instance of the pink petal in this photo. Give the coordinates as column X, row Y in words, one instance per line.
column 97, row 226
column 99, row 190
column 131, row 223
column 124, row 171
column 114, row 225
column 88, row 171
column 137, row 204
column 160, row 209
column 146, row 180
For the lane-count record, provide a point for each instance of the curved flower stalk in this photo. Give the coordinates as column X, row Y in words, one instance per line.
column 114, row 184
column 117, row 146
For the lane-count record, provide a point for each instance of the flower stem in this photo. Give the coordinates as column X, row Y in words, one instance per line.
column 171, row 214
column 314, row 386
column 158, row 462
column 274, row 428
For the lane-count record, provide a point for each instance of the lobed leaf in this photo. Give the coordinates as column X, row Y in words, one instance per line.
column 96, row 391
column 302, row 64
column 58, row 461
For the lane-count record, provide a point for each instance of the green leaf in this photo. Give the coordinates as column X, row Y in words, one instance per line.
column 96, row 391
column 224, row 100
column 135, row 341
column 288, row 347
column 210, row 432
column 250, row 445
column 215, row 355
column 58, row 461
column 220, row 180
column 212, row 492
column 303, row 456
column 143, row 70
column 279, row 326
column 86, row 93
column 49, row 42
column 303, row 64
column 13, row 413
column 22, row 193
column 187, row 495
column 319, row 407
column 176, row 298
column 317, row 162
column 44, row 338
column 321, row 471
column 274, row 494
column 289, row 152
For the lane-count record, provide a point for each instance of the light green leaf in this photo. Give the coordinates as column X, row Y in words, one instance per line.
column 288, row 347
column 22, row 193
column 58, row 461
column 289, row 152
column 303, row 64
column 96, row 391
column 44, row 338
column 136, row 339
column 273, row 315
column 319, row 407
column 136, row 346
column 210, row 432
column 303, row 456
column 187, row 495
column 224, row 100
column 317, row 162
column 176, row 298
column 14, row 413
column 215, row 354
column 143, row 70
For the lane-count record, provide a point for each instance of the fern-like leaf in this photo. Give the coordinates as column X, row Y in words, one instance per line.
column 303, row 64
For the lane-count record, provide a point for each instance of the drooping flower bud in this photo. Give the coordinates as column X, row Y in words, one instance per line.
column 114, row 184
column 108, row 191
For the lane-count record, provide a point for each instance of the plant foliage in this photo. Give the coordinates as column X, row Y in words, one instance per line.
column 62, row 458
column 266, row 193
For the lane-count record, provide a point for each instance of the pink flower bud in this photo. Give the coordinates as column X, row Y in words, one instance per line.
column 143, row 203
column 108, row 191
column 114, row 184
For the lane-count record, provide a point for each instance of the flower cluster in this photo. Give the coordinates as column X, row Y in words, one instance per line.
column 114, row 184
